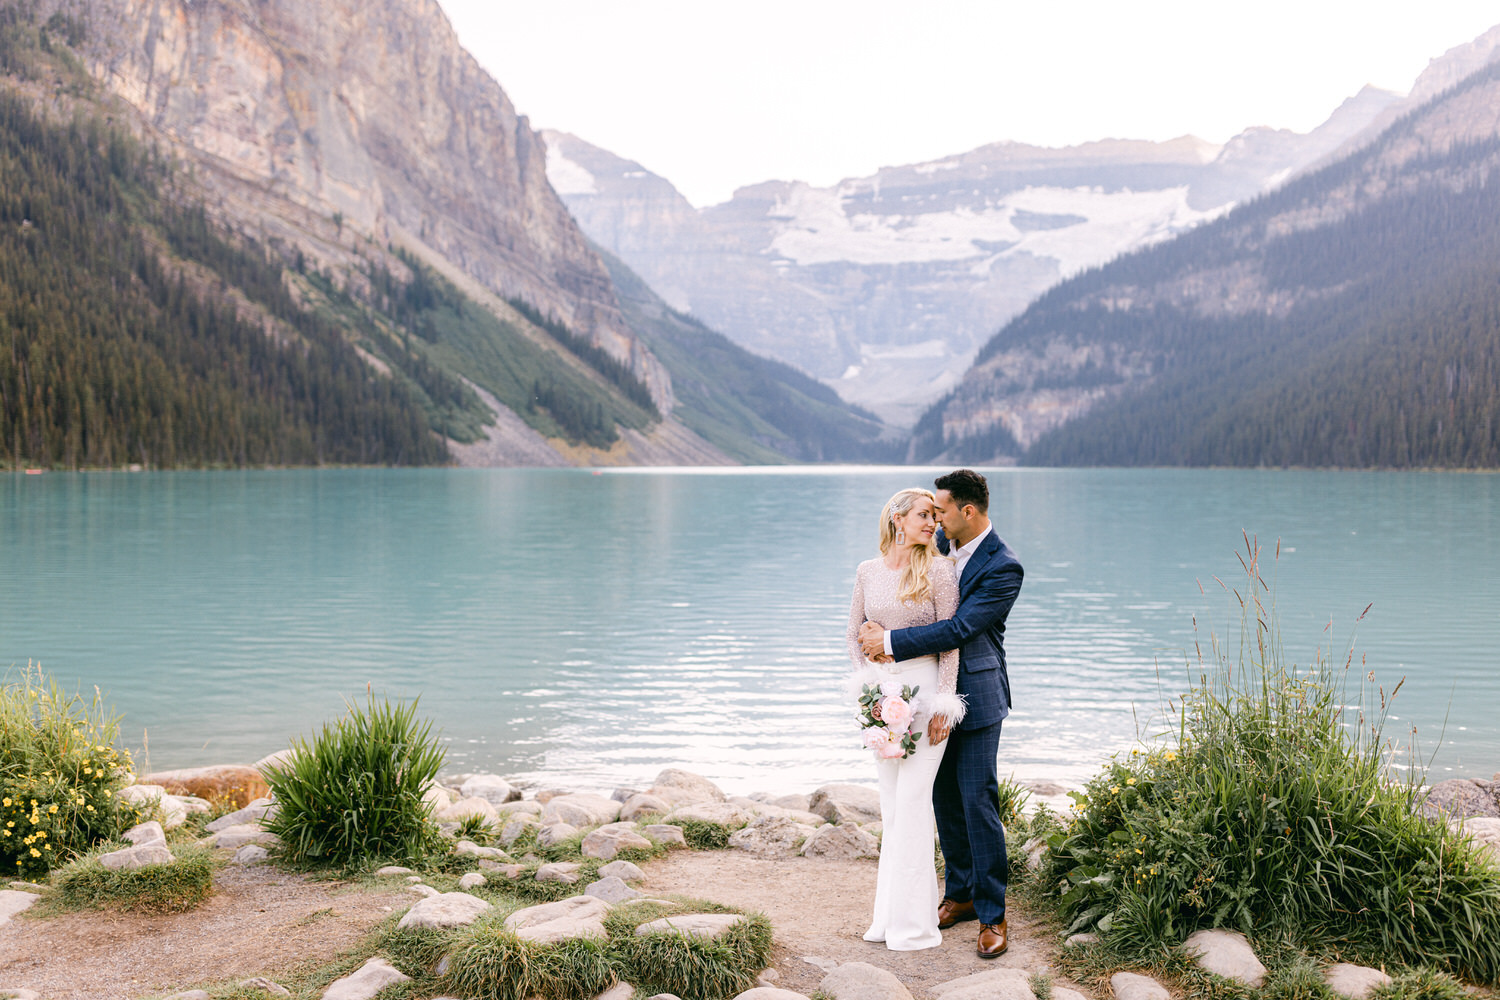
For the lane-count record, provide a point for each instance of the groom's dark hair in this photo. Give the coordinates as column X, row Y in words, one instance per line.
column 966, row 486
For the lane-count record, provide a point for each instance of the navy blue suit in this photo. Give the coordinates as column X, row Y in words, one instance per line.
column 965, row 796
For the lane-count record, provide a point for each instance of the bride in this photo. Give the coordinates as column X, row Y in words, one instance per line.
column 910, row 584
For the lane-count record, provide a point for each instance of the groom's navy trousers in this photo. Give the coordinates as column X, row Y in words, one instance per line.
column 965, row 796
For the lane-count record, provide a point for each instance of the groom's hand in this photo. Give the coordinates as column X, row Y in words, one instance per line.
column 938, row 728
column 872, row 642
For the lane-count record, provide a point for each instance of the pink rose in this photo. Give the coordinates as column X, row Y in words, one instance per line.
column 896, row 713
column 892, row 750
column 876, row 737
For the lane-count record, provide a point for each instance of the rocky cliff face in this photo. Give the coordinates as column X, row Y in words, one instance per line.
column 885, row 286
column 324, row 123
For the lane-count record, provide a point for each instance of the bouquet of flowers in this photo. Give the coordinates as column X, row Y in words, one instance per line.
column 887, row 721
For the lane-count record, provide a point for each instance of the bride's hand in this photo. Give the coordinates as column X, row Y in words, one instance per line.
column 872, row 642
column 938, row 729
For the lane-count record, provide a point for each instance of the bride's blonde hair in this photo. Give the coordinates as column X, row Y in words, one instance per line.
column 916, row 584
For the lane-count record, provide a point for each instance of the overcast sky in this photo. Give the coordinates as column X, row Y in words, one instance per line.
column 715, row 94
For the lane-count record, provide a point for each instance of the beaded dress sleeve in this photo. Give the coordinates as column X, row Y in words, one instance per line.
column 947, row 702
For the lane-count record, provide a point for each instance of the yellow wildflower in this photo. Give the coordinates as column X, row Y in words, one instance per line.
column 1129, row 781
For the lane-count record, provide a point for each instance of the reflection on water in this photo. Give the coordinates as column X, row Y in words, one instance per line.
column 590, row 628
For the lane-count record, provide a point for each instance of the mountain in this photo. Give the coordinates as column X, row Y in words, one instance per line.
column 388, row 187
column 1350, row 318
column 885, row 286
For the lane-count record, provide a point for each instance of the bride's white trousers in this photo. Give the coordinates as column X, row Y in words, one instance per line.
column 906, row 888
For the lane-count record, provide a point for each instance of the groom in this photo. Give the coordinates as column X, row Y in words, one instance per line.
column 965, row 796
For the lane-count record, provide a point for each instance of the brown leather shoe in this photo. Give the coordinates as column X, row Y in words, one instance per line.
column 952, row 912
column 992, row 940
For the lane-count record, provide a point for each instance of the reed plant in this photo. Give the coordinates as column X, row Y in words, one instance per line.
column 352, row 795
column 1275, row 810
column 59, row 770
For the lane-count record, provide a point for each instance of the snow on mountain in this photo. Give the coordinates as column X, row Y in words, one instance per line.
column 885, row 286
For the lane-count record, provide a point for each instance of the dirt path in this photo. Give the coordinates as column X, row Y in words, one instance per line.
column 259, row 921
column 821, row 908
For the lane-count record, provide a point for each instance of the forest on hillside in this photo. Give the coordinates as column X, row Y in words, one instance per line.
column 1389, row 356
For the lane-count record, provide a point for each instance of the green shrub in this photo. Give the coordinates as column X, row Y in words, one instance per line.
column 710, row 968
column 166, row 888
column 1013, row 799
column 353, row 794
column 1274, row 813
column 58, row 774
column 702, row 835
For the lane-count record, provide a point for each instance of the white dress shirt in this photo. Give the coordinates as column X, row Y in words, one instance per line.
column 960, row 557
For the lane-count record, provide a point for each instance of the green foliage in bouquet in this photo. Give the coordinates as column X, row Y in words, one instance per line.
column 870, row 697
column 59, row 771
column 1274, row 811
column 353, row 794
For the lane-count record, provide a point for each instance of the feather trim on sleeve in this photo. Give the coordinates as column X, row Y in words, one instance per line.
column 950, row 706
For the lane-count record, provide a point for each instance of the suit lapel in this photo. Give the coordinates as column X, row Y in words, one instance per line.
column 978, row 559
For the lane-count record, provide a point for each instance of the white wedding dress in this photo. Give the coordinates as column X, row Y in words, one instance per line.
column 906, row 888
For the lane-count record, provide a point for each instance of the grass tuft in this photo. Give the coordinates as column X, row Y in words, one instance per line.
column 353, row 794
column 712, row 969
column 1275, row 813
column 701, row 835
column 168, row 888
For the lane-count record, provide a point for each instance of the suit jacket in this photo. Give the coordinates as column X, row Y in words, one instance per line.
column 986, row 590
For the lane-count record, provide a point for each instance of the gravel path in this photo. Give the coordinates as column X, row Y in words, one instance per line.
column 259, row 921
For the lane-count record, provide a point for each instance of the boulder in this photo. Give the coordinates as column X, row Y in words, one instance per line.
column 1129, row 986
column 265, row 985
column 253, row 813
column 1485, row 832
column 154, row 798
column 1063, row 993
column 274, row 761
column 612, row 889
column 146, row 833
column 250, row 854
column 511, row 871
column 767, row 993
column 1035, row 850
column 436, row 798
column 607, row 841
column 193, row 804
column 190, row 995
column 876, row 830
column 17, row 993
column 391, row 871
column 619, row 991
column 520, row 807
column 1353, row 981
column 996, row 984
column 472, row 880
column 559, row 871
column 696, row 925
column 13, row 901
column 841, row 843
column 1227, row 954
column 515, row 828
column 238, row 784
column 642, row 804
column 446, row 909
column 623, row 870
column 575, row 917
column 244, row 833
column 862, row 981
column 470, row 808
column 1081, row 940
column 679, row 787
column 1461, row 797
column 368, row 980
column 580, row 810
column 665, row 833
column 722, row 813
column 468, row 848
column 137, row 857
column 622, row 795
column 423, row 890
column 993, row 984
column 556, row 833
column 772, row 837
column 846, row 803
column 490, row 787
column 548, row 794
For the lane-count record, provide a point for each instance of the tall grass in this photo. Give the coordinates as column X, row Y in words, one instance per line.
column 58, row 774
column 353, row 794
column 1276, row 812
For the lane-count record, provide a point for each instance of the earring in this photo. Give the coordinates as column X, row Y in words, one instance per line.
column 900, row 536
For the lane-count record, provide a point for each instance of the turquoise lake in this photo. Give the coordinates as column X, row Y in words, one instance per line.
column 587, row 628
